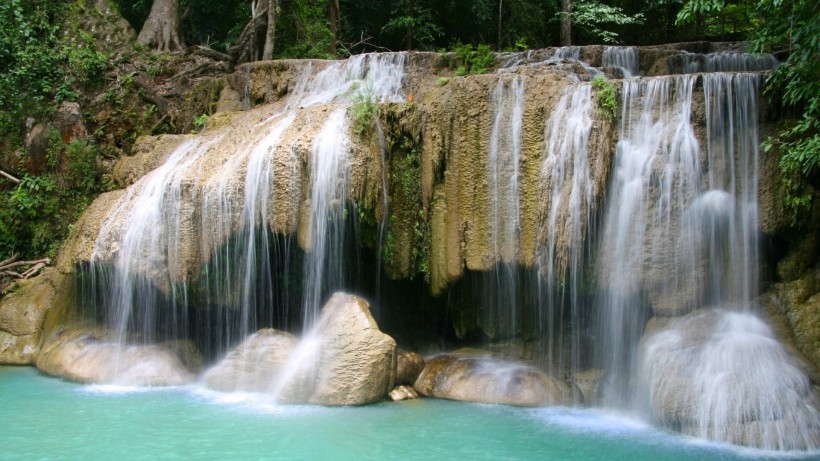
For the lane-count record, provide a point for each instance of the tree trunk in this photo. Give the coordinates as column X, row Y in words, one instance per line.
column 566, row 22
column 270, row 35
column 408, row 33
column 161, row 29
column 500, row 8
column 334, row 18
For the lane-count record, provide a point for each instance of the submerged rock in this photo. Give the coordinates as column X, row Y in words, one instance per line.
column 722, row 376
column 88, row 355
column 472, row 377
column 344, row 360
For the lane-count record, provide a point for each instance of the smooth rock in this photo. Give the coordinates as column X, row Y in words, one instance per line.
column 409, row 366
column 88, row 355
column 483, row 379
column 344, row 360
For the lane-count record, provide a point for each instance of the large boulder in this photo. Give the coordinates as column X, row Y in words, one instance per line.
column 22, row 314
column 343, row 360
column 88, row 355
column 721, row 375
column 471, row 376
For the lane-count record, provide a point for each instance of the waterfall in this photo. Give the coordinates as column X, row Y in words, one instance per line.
column 728, row 62
column 328, row 190
column 503, row 215
column 624, row 58
column 565, row 175
column 147, row 249
column 655, row 173
column 210, row 208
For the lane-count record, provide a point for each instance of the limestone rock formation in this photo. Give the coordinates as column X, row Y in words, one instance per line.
column 474, row 377
column 344, row 360
column 88, row 355
column 22, row 314
column 721, row 375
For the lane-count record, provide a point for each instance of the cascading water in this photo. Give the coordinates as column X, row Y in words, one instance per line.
column 728, row 62
column 642, row 251
column 328, row 191
column 570, row 190
column 503, row 157
column 622, row 57
column 680, row 235
column 142, row 261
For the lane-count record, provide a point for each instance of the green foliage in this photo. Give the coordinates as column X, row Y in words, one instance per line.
column 606, row 96
column 44, row 59
column 199, row 122
column 796, row 83
column 693, row 8
column 36, row 216
column 590, row 16
column 364, row 109
column 303, row 30
column 473, row 59
column 420, row 25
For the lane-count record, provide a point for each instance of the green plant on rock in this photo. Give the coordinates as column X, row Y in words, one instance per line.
column 199, row 123
column 364, row 109
column 473, row 60
column 606, row 96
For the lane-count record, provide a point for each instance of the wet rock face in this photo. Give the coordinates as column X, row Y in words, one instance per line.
column 722, row 376
column 344, row 360
column 22, row 314
column 480, row 378
column 88, row 355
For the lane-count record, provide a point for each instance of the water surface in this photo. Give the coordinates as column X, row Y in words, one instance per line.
column 47, row 418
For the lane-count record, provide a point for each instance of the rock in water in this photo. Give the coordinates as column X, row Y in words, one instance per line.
column 254, row 364
column 483, row 379
column 409, row 366
column 89, row 356
column 357, row 362
column 403, row 392
column 344, row 360
column 721, row 375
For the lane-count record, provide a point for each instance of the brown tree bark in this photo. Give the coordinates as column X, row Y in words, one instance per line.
column 334, row 17
column 408, row 33
column 566, row 22
column 270, row 34
column 161, row 29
